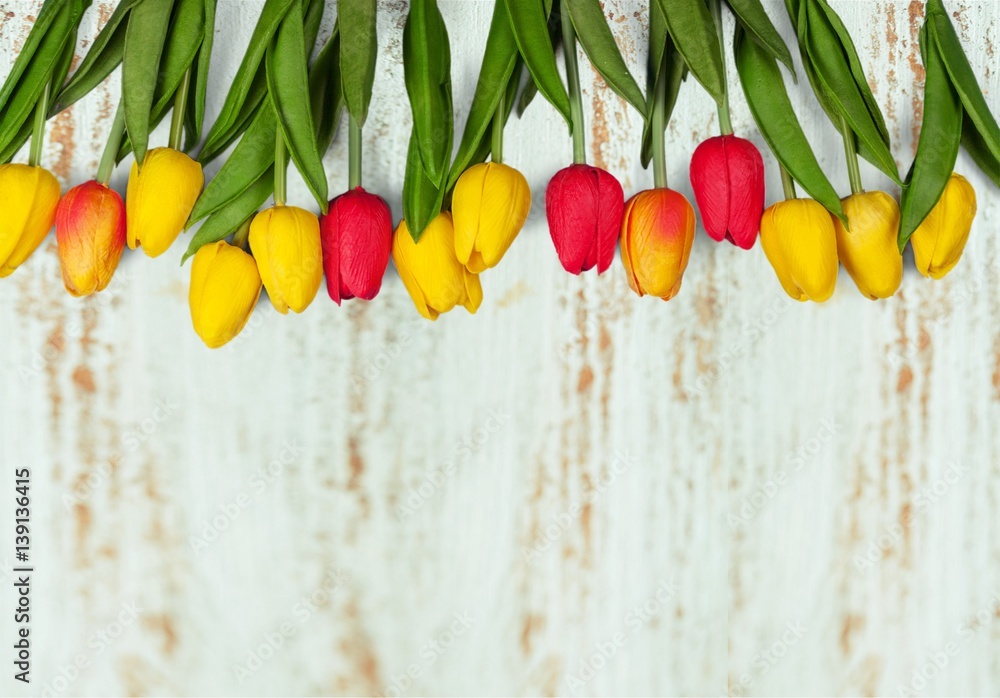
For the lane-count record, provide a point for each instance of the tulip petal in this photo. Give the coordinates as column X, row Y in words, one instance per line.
column 28, row 199
column 160, row 198
column 868, row 250
column 938, row 243
column 657, row 236
column 800, row 243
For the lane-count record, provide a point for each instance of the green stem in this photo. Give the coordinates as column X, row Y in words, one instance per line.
column 242, row 234
column 38, row 132
column 107, row 165
column 354, row 149
column 787, row 183
column 573, row 83
column 725, row 123
column 851, row 151
column 280, row 169
column 180, row 107
column 658, row 128
column 496, row 152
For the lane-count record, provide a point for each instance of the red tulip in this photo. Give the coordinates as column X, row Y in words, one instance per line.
column 357, row 240
column 584, row 207
column 727, row 174
column 90, row 232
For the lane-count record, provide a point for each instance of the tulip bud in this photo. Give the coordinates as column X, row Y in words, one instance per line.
column 584, row 207
column 490, row 205
column 90, row 230
column 357, row 240
column 727, row 174
column 225, row 287
column 432, row 274
column 657, row 234
column 939, row 241
column 800, row 243
column 160, row 197
column 285, row 242
column 868, row 250
column 28, row 200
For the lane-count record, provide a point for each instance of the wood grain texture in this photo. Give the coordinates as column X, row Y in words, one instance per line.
column 487, row 501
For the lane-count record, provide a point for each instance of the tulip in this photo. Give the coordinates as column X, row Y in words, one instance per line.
column 939, row 241
column 657, row 234
column 357, row 240
column 800, row 243
column 90, row 230
column 285, row 242
column 868, row 250
column 584, row 207
column 434, row 277
column 490, row 205
column 727, row 174
column 160, row 197
column 225, row 287
column 28, row 200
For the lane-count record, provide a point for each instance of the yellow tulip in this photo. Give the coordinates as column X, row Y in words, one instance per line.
column 656, row 239
column 431, row 272
column 800, row 243
column 868, row 250
column 490, row 204
column 285, row 242
column 159, row 199
column 28, row 200
column 225, row 287
column 939, row 241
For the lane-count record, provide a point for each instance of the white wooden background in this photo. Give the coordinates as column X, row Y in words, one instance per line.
column 751, row 496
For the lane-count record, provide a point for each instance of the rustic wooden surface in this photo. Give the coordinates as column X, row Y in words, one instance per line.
column 746, row 495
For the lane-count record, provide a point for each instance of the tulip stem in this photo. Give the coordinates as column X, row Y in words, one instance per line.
column 787, row 183
column 180, row 107
column 725, row 123
column 110, row 154
column 851, row 150
column 496, row 152
column 354, row 150
column 573, row 83
column 658, row 131
column 242, row 234
column 280, row 169
column 38, row 132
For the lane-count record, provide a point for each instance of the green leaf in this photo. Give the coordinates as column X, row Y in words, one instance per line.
column 754, row 20
column 499, row 59
column 226, row 220
column 422, row 198
column 8, row 152
column 962, row 78
column 288, row 84
column 693, row 30
column 325, row 91
column 252, row 157
column 199, row 83
column 103, row 57
column 937, row 150
column 599, row 44
column 664, row 63
column 147, row 30
column 186, row 34
column 768, row 100
column 50, row 11
column 977, row 149
column 47, row 57
column 358, row 53
column 249, row 84
column 427, row 71
column 531, row 32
